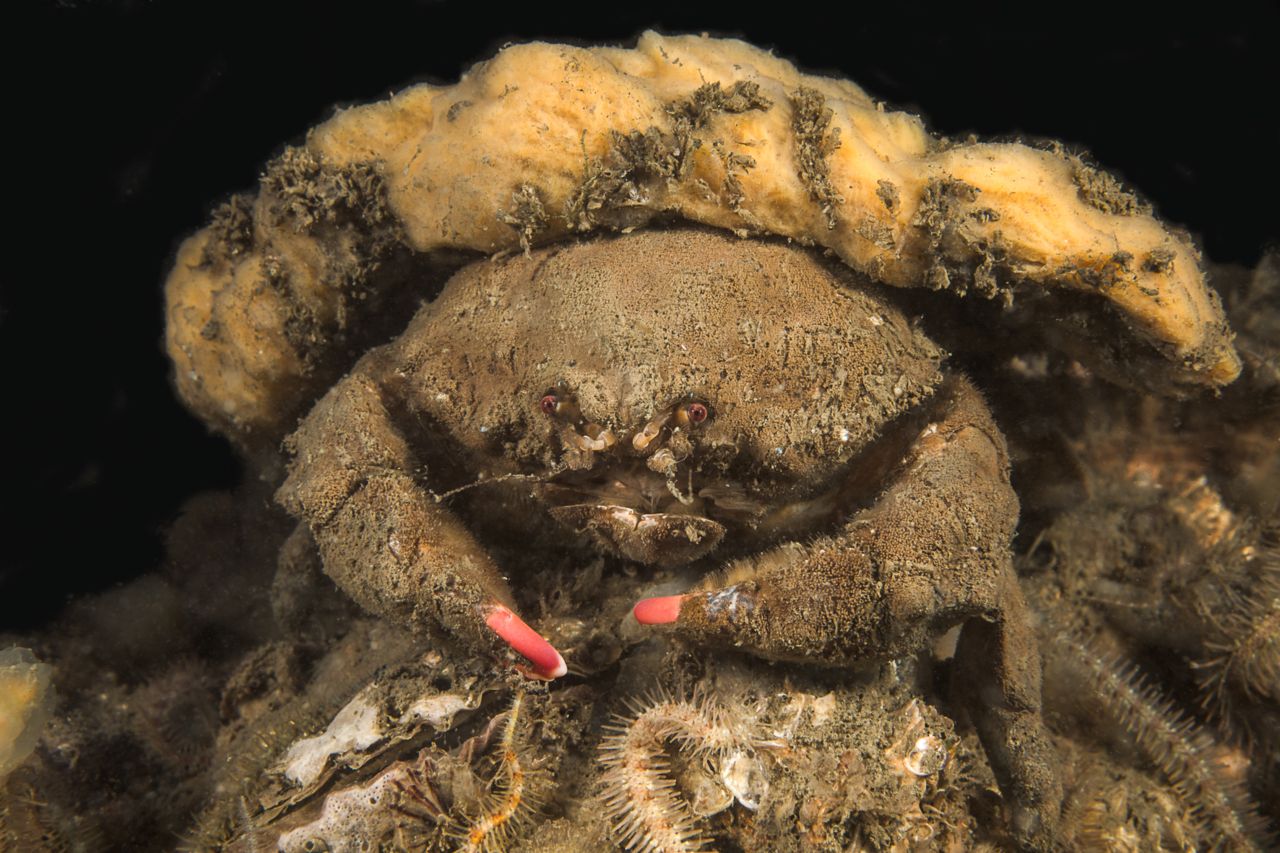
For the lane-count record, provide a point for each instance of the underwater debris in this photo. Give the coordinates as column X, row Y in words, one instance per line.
column 815, row 140
column 527, row 216
column 33, row 818
column 647, row 809
column 399, row 806
column 429, row 799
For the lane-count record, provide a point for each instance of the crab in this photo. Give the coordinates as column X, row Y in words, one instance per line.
column 681, row 398
column 757, row 427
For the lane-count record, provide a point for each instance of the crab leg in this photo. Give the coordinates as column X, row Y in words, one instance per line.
column 386, row 542
column 932, row 552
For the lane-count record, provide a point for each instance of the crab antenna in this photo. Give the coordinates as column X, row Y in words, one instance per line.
column 443, row 496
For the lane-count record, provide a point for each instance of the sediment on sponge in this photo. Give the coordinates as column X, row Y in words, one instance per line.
column 646, row 809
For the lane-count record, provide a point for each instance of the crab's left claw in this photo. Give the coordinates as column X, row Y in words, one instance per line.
column 800, row 603
column 658, row 611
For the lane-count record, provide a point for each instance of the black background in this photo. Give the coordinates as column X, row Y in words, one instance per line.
column 127, row 122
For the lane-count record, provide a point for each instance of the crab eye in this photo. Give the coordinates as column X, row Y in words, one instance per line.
column 691, row 414
column 549, row 403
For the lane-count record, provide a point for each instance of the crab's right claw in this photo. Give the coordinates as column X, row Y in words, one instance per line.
column 546, row 662
column 396, row 551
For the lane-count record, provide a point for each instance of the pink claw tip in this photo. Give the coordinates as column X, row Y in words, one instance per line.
column 658, row 611
column 547, row 662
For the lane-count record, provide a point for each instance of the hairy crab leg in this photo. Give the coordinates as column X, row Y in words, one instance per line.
column 384, row 540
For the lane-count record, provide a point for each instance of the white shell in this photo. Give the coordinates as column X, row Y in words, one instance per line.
column 927, row 757
column 741, row 773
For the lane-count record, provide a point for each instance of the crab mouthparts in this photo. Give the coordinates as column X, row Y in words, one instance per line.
column 653, row 538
